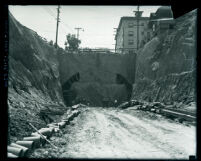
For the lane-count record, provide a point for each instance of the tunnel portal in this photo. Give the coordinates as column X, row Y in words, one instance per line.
column 68, row 94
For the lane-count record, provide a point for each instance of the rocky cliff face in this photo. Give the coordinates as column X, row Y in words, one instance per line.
column 34, row 80
column 166, row 65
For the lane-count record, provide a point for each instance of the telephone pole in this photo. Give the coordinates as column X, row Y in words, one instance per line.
column 138, row 27
column 78, row 29
column 115, row 39
column 138, row 15
column 58, row 11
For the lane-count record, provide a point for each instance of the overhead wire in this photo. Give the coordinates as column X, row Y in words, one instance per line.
column 61, row 21
column 49, row 12
column 53, row 15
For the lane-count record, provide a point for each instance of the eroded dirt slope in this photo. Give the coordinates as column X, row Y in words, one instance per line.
column 34, row 81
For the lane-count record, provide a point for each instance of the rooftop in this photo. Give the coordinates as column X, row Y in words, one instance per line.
column 163, row 12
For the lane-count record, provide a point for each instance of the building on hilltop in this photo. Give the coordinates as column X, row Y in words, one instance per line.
column 126, row 36
column 161, row 20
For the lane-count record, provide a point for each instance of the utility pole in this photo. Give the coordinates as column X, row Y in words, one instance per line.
column 138, row 15
column 115, row 39
column 58, row 11
column 138, row 27
column 78, row 29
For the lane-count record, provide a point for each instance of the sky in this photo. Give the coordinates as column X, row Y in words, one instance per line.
column 98, row 22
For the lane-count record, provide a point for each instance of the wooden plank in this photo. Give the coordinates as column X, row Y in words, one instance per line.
column 177, row 114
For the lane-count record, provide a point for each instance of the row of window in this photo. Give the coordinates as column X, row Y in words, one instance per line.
column 132, row 24
column 131, row 33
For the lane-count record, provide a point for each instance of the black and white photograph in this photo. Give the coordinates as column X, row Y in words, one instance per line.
column 101, row 82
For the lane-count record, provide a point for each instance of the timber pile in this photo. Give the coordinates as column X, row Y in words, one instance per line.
column 169, row 111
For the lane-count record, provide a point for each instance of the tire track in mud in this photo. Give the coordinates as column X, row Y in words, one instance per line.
column 153, row 136
column 124, row 140
column 142, row 147
column 112, row 133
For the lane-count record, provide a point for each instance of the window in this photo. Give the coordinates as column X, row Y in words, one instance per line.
column 130, row 24
column 130, row 33
column 142, row 24
column 130, row 42
column 142, row 32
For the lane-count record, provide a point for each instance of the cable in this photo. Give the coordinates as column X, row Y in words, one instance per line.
column 53, row 15
column 67, row 26
column 47, row 11
column 51, row 11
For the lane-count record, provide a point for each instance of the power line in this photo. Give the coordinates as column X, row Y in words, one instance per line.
column 67, row 26
column 51, row 11
column 61, row 21
column 48, row 11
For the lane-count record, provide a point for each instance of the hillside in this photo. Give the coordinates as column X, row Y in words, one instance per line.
column 34, row 79
column 166, row 65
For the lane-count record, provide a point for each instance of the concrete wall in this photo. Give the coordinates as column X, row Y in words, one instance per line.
column 97, row 74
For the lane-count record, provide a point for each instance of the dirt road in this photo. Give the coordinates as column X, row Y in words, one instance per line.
column 112, row 133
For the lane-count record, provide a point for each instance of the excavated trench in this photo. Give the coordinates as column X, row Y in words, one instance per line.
column 42, row 78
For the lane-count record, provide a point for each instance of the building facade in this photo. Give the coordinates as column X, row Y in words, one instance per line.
column 126, row 36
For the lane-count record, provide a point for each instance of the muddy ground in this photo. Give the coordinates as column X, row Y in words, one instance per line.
column 115, row 133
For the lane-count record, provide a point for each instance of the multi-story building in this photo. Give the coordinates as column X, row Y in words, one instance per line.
column 126, row 36
column 127, row 31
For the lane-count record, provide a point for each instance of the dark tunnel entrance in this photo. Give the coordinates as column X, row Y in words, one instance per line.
column 68, row 94
column 122, row 80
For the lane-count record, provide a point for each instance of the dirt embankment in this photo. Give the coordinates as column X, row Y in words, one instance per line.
column 34, row 80
column 166, row 66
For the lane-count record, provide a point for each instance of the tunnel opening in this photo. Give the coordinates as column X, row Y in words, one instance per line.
column 69, row 94
column 72, row 94
column 122, row 80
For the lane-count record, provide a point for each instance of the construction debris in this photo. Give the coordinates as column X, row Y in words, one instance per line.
column 40, row 137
